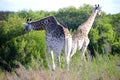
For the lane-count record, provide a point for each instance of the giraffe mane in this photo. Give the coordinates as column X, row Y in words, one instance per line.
column 46, row 19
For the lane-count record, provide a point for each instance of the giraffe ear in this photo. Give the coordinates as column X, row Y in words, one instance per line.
column 95, row 5
column 30, row 19
column 98, row 5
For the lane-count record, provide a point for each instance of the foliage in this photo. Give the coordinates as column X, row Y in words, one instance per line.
column 116, row 28
column 71, row 17
column 16, row 46
column 102, row 35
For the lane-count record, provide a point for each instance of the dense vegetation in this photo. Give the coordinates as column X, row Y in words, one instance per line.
column 29, row 49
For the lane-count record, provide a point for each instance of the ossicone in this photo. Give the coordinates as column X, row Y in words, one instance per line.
column 28, row 20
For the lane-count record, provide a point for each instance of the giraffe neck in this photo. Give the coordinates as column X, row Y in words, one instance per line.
column 88, row 24
column 43, row 24
column 37, row 25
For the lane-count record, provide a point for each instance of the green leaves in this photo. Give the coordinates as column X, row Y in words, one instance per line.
column 31, row 47
column 72, row 17
column 94, row 36
column 15, row 46
column 104, row 35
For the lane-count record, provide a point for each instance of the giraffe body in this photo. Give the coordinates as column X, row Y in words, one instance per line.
column 80, row 38
column 57, row 37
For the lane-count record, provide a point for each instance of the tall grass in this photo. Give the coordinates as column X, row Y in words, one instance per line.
column 102, row 68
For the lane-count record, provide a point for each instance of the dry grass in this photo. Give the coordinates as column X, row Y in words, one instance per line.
column 103, row 68
column 21, row 74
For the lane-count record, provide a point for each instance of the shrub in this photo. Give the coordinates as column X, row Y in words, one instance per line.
column 15, row 46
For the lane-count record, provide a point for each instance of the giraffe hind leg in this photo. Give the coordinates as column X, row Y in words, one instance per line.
column 68, row 47
column 73, row 50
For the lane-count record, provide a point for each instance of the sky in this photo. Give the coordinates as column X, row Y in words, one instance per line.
column 108, row 6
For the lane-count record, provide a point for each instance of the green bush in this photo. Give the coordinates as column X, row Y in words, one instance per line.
column 15, row 46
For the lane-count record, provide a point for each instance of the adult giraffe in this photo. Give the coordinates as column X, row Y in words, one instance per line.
column 57, row 37
column 80, row 38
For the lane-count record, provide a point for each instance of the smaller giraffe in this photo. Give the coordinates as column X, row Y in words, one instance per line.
column 57, row 37
column 80, row 37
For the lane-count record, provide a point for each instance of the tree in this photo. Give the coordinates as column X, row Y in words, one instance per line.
column 103, row 35
column 116, row 28
column 71, row 17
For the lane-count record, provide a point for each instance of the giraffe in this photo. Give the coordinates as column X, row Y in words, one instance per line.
column 57, row 37
column 80, row 38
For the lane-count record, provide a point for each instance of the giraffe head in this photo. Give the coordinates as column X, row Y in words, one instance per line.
column 42, row 24
column 28, row 26
column 97, row 9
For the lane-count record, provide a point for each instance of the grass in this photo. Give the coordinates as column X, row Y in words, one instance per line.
column 102, row 68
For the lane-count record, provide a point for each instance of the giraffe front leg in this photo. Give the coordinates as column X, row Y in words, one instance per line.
column 57, row 47
column 84, row 48
column 50, row 52
column 58, row 52
column 58, row 60
column 83, row 52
